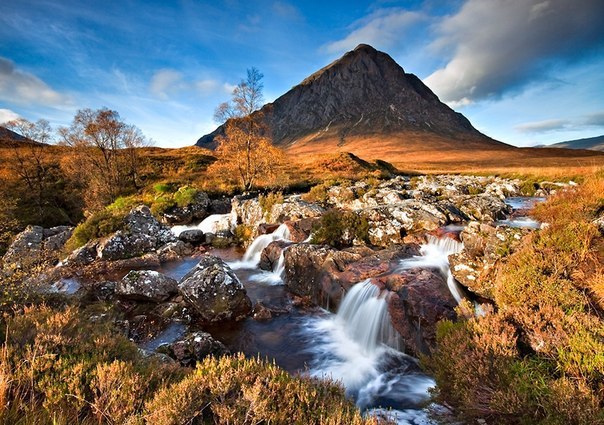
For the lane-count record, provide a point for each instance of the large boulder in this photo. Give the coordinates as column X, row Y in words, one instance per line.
column 142, row 234
column 36, row 245
column 192, row 236
column 324, row 274
column 391, row 223
column 214, row 291
column 484, row 246
column 419, row 299
column 482, row 207
column 146, row 285
column 271, row 254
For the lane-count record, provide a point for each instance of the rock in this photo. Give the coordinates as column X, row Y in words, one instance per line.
column 174, row 251
column 35, row 245
column 420, row 299
column 323, row 274
column 198, row 209
column 249, row 212
column 193, row 236
column 390, row 224
column 599, row 222
column 193, row 348
column 214, row 291
column 262, row 312
column 267, row 229
column 84, row 255
column 300, row 230
column 142, row 234
column 484, row 246
column 146, row 285
column 220, row 206
column 271, row 254
column 482, row 207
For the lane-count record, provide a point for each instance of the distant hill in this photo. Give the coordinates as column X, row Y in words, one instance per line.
column 591, row 143
column 366, row 104
column 9, row 139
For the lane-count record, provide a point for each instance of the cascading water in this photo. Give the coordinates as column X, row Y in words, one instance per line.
column 211, row 224
column 359, row 347
column 435, row 255
column 252, row 256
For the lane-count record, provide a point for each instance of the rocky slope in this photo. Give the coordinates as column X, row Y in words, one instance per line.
column 364, row 93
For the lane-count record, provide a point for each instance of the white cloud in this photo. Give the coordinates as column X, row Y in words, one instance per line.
column 7, row 115
column 383, row 29
column 596, row 119
column 167, row 83
column 23, row 88
column 501, row 45
column 542, row 126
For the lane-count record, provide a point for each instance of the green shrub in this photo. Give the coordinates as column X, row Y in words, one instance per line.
column 340, row 228
column 317, row 194
column 162, row 204
column 98, row 225
column 163, row 187
column 185, row 196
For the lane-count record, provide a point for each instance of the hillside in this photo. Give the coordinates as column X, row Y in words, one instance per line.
column 365, row 103
column 590, row 143
column 9, row 139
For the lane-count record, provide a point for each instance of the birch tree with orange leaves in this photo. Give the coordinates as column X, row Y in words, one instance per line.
column 245, row 148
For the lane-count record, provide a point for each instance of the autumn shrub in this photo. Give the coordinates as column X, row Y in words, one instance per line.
column 268, row 201
column 544, row 361
column 243, row 234
column 317, row 194
column 340, row 228
column 239, row 390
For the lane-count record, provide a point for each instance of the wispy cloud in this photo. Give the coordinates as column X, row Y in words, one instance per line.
column 167, row 83
column 500, row 45
column 542, row 126
column 7, row 115
column 582, row 122
column 384, row 29
column 23, row 88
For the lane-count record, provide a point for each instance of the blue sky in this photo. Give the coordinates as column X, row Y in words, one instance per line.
column 523, row 71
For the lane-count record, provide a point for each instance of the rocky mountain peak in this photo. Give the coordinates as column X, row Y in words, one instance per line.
column 365, row 92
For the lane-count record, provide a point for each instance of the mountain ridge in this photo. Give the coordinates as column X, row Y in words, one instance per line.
column 590, row 143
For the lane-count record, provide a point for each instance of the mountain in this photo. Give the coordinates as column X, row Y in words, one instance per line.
column 367, row 104
column 591, row 143
column 9, row 139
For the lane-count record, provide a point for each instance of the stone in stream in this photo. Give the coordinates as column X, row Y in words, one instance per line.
column 197, row 209
column 419, row 299
column 192, row 236
column 193, row 348
column 271, row 254
column 146, row 285
column 214, row 291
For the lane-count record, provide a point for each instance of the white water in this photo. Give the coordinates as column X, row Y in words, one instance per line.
column 211, row 224
column 435, row 255
column 359, row 347
column 252, row 256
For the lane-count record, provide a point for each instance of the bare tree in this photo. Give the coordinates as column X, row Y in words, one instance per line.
column 245, row 147
column 105, row 154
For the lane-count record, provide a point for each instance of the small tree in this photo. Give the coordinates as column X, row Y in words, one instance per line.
column 245, row 148
column 105, row 156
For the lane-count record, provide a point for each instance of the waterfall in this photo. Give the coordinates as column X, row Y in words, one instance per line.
column 211, row 224
column 252, row 255
column 358, row 347
column 435, row 255
column 364, row 316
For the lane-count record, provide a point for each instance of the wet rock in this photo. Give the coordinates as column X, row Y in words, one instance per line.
column 220, row 206
column 84, row 255
column 262, row 312
column 300, row 230
column 174, row 251
column 267, row 229
column 271, row 254
column 420, row 299
column 196, row 210
column 324, row 274
column 193, row 348
column 193, row 236
column 146, row 285
column 35, row 245
column 214, row 291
